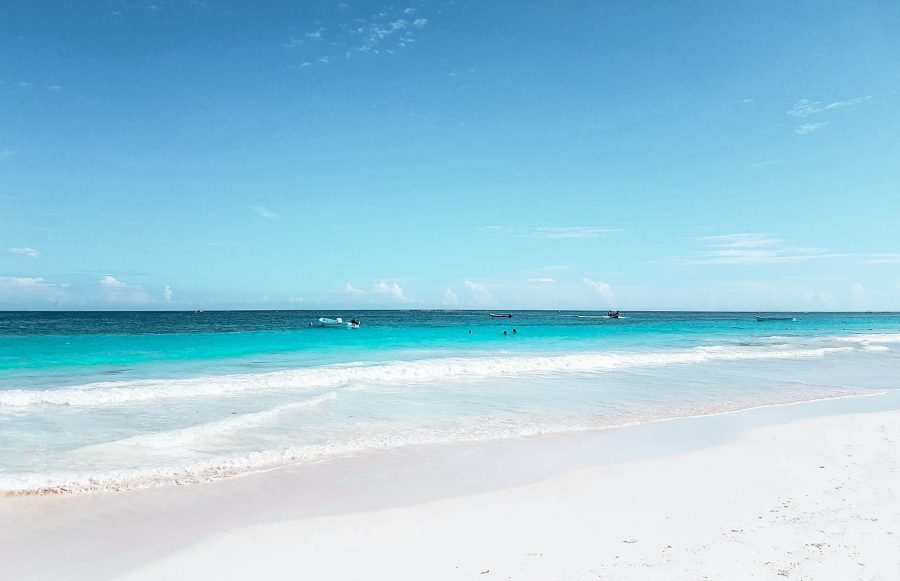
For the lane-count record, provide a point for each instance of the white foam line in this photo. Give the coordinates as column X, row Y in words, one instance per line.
column 868, row 338
column 266, row 460
column 394, row 373
column 184, row 436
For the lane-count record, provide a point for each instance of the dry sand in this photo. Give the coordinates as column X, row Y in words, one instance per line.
column 707, row 498
column 815, row 499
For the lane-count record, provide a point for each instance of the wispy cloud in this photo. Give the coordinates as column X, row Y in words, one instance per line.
column 767, row 162
column 479, row 292
column 882, row 258
column 600, row 288
column 265, row 212
column 564, row 232
column 450, row 298
column 553, row 232
column 392, row 290
column 543, row 280
column 810, row 127
column 167, row 294
column 384, row 32
column 352, row 290
column 29, row 252
column 752, row 248
column 805, row 107
column 26, row 288
column 114, row 290
column 374, row 36
column 7, row 153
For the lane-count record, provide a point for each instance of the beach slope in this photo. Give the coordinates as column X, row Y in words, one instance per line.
column 811, row 499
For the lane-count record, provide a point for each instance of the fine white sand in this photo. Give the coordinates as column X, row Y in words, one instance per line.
column 811, row 499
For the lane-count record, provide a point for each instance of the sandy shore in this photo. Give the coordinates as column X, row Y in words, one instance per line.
column 808, row 499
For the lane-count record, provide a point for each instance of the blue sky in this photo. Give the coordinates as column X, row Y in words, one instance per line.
column 701, row 155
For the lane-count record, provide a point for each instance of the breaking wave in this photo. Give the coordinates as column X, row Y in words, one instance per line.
column 392, row 373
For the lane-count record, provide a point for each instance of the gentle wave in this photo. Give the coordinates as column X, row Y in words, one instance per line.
column 215, row 468
column 869, row 338
column 192, row 434
column 394, row 373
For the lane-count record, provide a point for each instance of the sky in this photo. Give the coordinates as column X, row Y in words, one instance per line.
column 183, row 154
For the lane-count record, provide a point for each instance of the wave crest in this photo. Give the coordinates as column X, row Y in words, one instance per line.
column 392, row 373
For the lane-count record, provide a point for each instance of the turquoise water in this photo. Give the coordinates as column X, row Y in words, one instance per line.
column 113, row 400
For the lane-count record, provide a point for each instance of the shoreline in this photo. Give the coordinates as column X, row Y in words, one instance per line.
column 215, row 475
column 103, row 535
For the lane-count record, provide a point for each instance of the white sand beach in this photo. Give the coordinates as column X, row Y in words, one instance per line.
column 815, row 498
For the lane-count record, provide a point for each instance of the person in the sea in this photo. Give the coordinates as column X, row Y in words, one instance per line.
column 505, row 333
column 514, row 332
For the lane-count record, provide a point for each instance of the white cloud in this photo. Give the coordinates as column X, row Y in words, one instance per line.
column 352, row 290
column 29, row 252
column 818, row 298
column 600, row 288
column 27, row 288
column 857, row 292
column 562, row 232
column 479, row 292
column 767, row 162
column 543, row 279
column 552, row 232
column 805, row 107
column 752, row 248
column 384, row 30
column 450, row 297
column 883, row 258
column 114, row 290
column 167, row 293
column 810, row 127
column 392, row 290
column 295, row 300
column 265, row 212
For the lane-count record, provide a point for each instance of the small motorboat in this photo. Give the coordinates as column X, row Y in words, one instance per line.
column 500, row 315
column 337, row 323
column 761, row 319
column 613, row 314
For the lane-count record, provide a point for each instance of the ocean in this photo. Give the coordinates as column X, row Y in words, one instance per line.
column 114, row 400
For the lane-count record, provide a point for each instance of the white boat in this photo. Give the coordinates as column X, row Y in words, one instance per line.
column 338, row 322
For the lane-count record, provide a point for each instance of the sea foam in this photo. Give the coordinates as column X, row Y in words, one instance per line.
column 391, row 373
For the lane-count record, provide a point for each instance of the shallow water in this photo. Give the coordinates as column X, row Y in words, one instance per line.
column 112, row 400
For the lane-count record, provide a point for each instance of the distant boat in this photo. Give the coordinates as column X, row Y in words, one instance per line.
column 761, row 319
column 338, row 322
column 613, row 314
column 500, row 315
